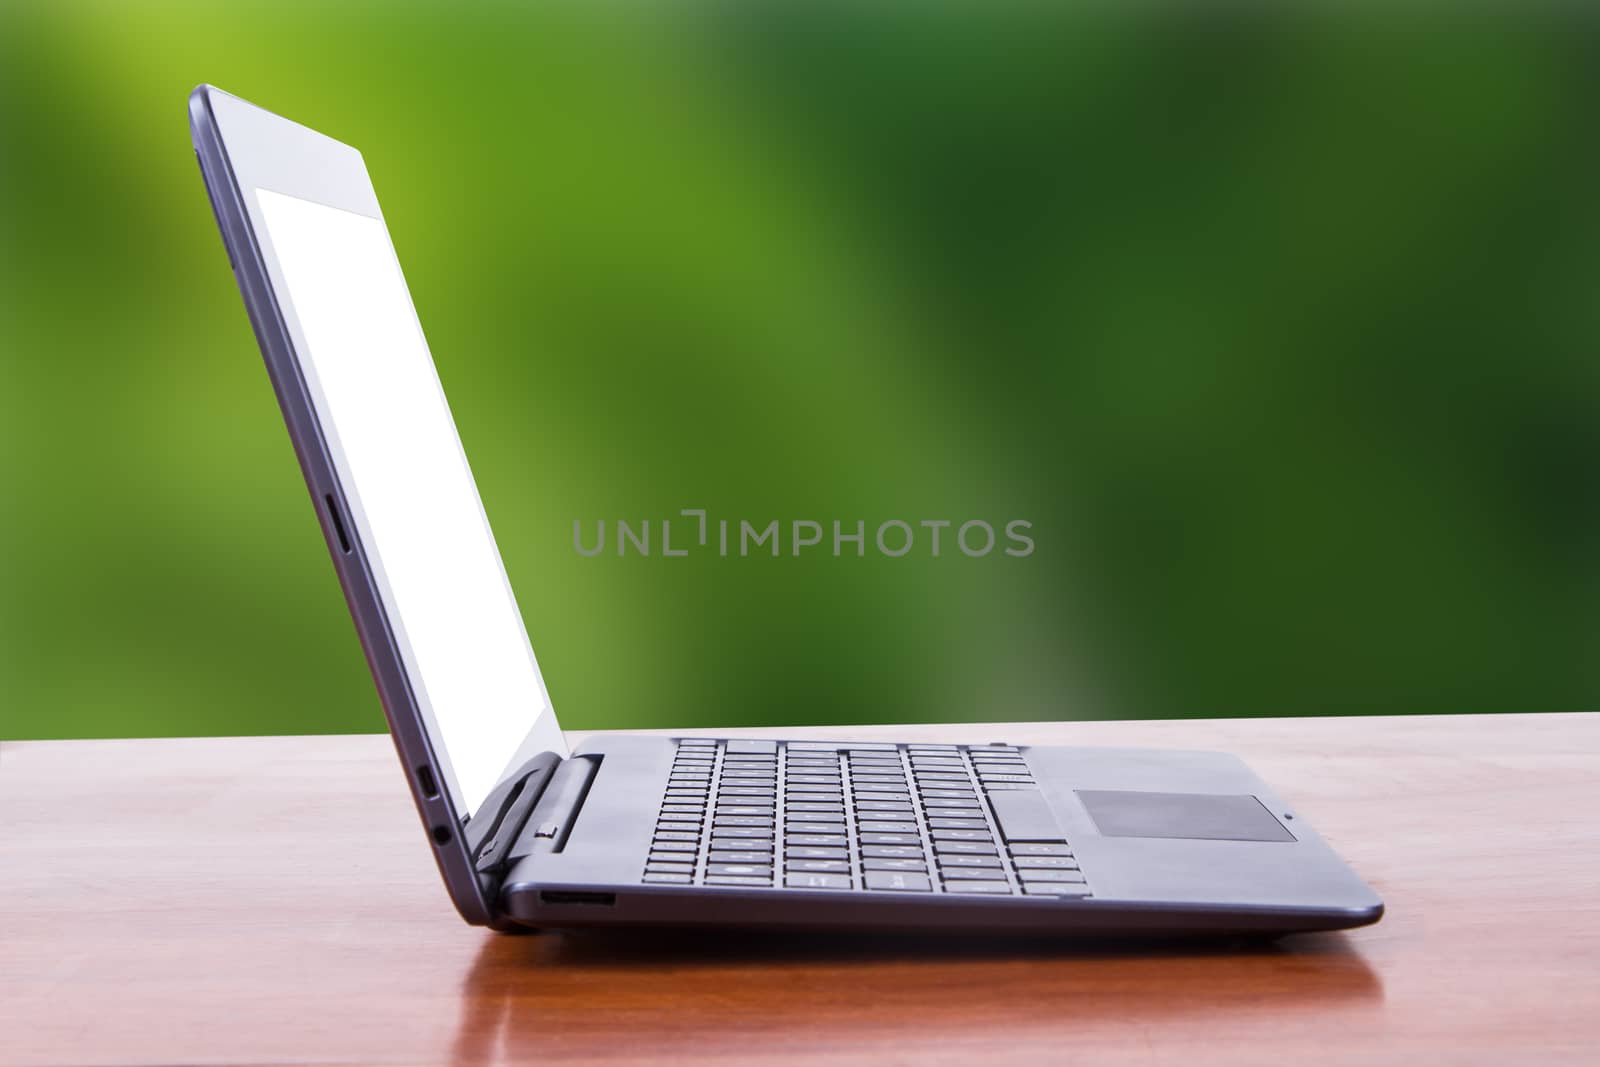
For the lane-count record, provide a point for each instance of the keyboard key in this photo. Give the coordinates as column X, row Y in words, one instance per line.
column 942, row 823
column 673, row 846
column 901, row 797
column 743, row 831
column 968, row 861
column 1055, row 889
column 758, row 748
column 961, row 835
column 744, row 809
column 958, row 874
column 873, row 863
column 1024, row 815
column 931, row 777
column 973, row 848
column 815, row 805
column 834, row 840
column 893, row 852
column 890, row 839
column 738, row 868
column 746, row 791
column 1032, row 876
column 902, row 881
column 997, row 889
column 817, row 881
column 873, row 826
column 812, row 779
column 1039, row 849
column 812, row 816
column 894, row 807
column 817, row 792
column 1045, row 862
column 669, row 868
column 677, row 835
column 735, row 879
column 945, row 803
column 689, row 825
column 835, row 828
column 676, row 879
column 815, row 852
column 957, row 794
column 991, row 778
column 820, row 866
column 731, row 855
column 743, row 820
column 742, row 844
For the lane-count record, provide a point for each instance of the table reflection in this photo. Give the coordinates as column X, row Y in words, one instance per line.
column 697, row 994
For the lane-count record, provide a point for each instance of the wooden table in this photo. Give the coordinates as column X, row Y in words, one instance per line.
column 273, row 900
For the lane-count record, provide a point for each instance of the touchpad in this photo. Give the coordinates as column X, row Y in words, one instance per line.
column 1211, row 816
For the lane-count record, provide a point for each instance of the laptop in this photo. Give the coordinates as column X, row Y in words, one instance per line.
column 645, row 829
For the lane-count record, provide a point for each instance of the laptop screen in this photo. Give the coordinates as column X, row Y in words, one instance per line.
column 406, row 480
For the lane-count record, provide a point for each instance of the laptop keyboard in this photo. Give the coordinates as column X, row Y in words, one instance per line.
column 967, row 820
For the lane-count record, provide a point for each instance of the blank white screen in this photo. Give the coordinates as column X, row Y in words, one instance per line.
column 406, row 476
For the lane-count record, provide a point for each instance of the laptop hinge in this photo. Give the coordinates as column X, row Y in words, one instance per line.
column 550, row 821
column 504, row 811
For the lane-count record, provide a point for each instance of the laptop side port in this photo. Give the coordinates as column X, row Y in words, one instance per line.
column 560, row 896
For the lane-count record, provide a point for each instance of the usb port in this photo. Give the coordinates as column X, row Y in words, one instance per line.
column 338, row 523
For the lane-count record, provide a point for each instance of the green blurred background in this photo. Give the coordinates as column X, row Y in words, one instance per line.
column 1281, row 328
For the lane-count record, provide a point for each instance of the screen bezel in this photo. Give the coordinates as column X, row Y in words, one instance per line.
column 242, row 148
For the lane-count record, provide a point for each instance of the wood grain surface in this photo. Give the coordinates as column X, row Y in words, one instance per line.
column 273, row 900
